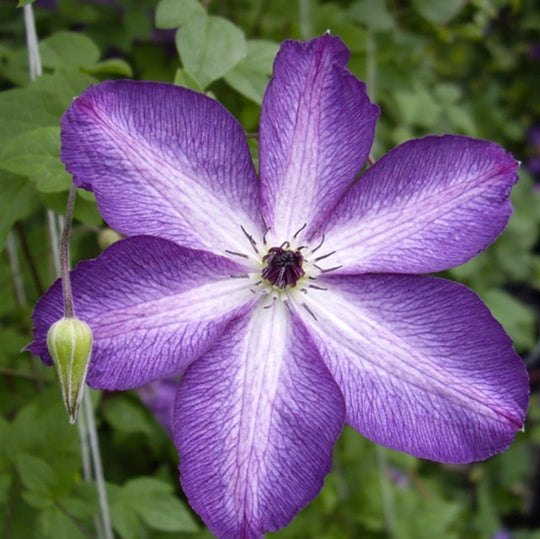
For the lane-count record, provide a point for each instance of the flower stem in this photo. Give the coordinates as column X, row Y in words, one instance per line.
column 64, row 254
column 371, row 65
column 386, row 493
column 34, row 58
column 11, row 249
column 27, row 254
column 304, row 19
column 97, row 465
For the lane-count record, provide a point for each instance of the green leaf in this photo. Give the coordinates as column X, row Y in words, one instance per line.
column 209, row 47
column 65, row 50
column 374, row 14
column 5, row 484
column 156, row 504
column 141, row 486
column 166, row 513
column 22, row 3
column 174, row 13
column 65, row 85
column 55, row 524
column 518, row 319
column 36, row 499
column 417, row 106
column 250, row 76
column 113, row 66
column 36, row 474
column 187, row 80
column 438, row 11
column 36, row 154
column 125, row 520
column 425, row 517
column 19, row 200
column 24, row 109
column 127, row 416
column 85, row 209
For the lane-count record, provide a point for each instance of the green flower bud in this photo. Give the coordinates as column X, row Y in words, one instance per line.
column 70, row 344
column 108, row 236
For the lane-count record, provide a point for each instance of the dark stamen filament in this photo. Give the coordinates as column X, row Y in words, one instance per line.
column 309, row 311
column 324, row 256
column 251, row 240
column 271, row 304
column 299, row 230
column 329, row 269
column 236, row 254
column 320, row 245
column 314, row 286
column 266, row 227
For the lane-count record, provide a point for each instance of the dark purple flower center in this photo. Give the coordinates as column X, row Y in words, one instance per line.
column 283, row 267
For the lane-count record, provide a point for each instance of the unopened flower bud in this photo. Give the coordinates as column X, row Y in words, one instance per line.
column 107, row 237
column 70, row 344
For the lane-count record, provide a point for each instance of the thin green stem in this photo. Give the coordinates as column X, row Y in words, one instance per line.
column 21, row 299
column 386, row 493
column 14, row 266
column 34, row 58
column 98, row 469
column 52, row 228
column 371, row 65
column 21, row 374
column 85, row 457
column 304, row 19
column 64, row 254
column 29, row 258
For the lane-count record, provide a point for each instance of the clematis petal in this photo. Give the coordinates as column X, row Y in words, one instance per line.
column 159, row 397
column 152, row 306
column 426, row 206
column 256, row 420
column 317, row 127
column 164, row 161
column 423, row 366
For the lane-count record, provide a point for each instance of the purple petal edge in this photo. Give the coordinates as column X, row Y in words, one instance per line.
column 426, row 206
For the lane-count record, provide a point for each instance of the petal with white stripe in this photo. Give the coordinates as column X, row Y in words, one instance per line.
column 422, row 364
column 256, row 420
column 428, row 205
column 152, row 306
column 164, row 161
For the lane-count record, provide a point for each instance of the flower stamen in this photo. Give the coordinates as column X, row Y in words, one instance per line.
column 328, row 270
column 274, row 299
column 299, row 230
column 324, row 256
column 252, row 242
column 320, row 244
column 236, row 254
column 283, row 266
column 309, row 311
column 315, row 287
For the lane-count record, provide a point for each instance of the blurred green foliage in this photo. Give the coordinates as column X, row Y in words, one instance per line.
column 434, row 66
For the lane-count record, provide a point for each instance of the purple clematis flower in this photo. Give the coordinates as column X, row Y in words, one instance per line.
column 288, row 300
